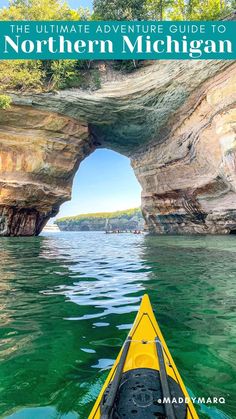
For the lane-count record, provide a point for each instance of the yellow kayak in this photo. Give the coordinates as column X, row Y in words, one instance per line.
column 144, row 381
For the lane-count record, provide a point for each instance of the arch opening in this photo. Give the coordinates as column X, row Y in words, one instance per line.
column 106, row 195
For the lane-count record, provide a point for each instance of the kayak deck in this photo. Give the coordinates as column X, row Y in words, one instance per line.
column 143, row 374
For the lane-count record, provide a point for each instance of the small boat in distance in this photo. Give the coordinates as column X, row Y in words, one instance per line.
column 144, row 381
column 124, row 231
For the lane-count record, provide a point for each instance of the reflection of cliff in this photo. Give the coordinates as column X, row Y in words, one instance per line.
column 174, row 119
column 119, row 220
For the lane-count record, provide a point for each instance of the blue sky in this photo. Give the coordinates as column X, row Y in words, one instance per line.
column 105, row 181
column 77, row 3
column 73, row 3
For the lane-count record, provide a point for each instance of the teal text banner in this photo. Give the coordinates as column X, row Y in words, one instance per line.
column 121, row 40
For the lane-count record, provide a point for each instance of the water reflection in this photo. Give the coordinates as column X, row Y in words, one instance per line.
column 68, row 299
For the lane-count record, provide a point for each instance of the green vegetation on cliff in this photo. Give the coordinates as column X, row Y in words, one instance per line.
column 29, row 75
column 5, row 102
column 45, row 75
column 124, row 220
column 101, row 215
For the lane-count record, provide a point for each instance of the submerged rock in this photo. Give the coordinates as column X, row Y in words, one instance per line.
column 174, row 119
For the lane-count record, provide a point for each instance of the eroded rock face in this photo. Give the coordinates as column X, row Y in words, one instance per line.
column 175, row 120
column 189, row 180
column 39, row 154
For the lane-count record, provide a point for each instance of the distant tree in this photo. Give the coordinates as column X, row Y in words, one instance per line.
column 41, row 10
column 119, row 9
column 200, row 10
column 178, row 10
column 207, row 9
column 161, row 9
column 158, row 9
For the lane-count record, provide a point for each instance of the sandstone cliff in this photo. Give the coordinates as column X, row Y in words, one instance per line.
column 175, row 120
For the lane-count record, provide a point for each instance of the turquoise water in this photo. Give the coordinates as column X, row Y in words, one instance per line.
column 68, row 300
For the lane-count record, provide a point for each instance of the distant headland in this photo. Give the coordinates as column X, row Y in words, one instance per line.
column 130, row 219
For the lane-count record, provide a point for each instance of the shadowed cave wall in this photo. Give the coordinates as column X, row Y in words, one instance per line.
column 175, row 120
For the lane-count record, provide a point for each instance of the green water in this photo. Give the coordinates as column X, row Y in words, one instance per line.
column 68, row 300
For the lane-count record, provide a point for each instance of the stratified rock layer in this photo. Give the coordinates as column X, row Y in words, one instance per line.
column 189, row 179
column 39, row 155
column 175, row 120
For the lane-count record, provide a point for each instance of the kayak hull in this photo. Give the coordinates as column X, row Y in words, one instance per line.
column 143, row 374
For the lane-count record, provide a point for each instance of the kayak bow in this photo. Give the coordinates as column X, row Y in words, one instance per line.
column 144, row 381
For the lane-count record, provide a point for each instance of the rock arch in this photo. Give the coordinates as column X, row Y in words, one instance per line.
column 174, row 119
